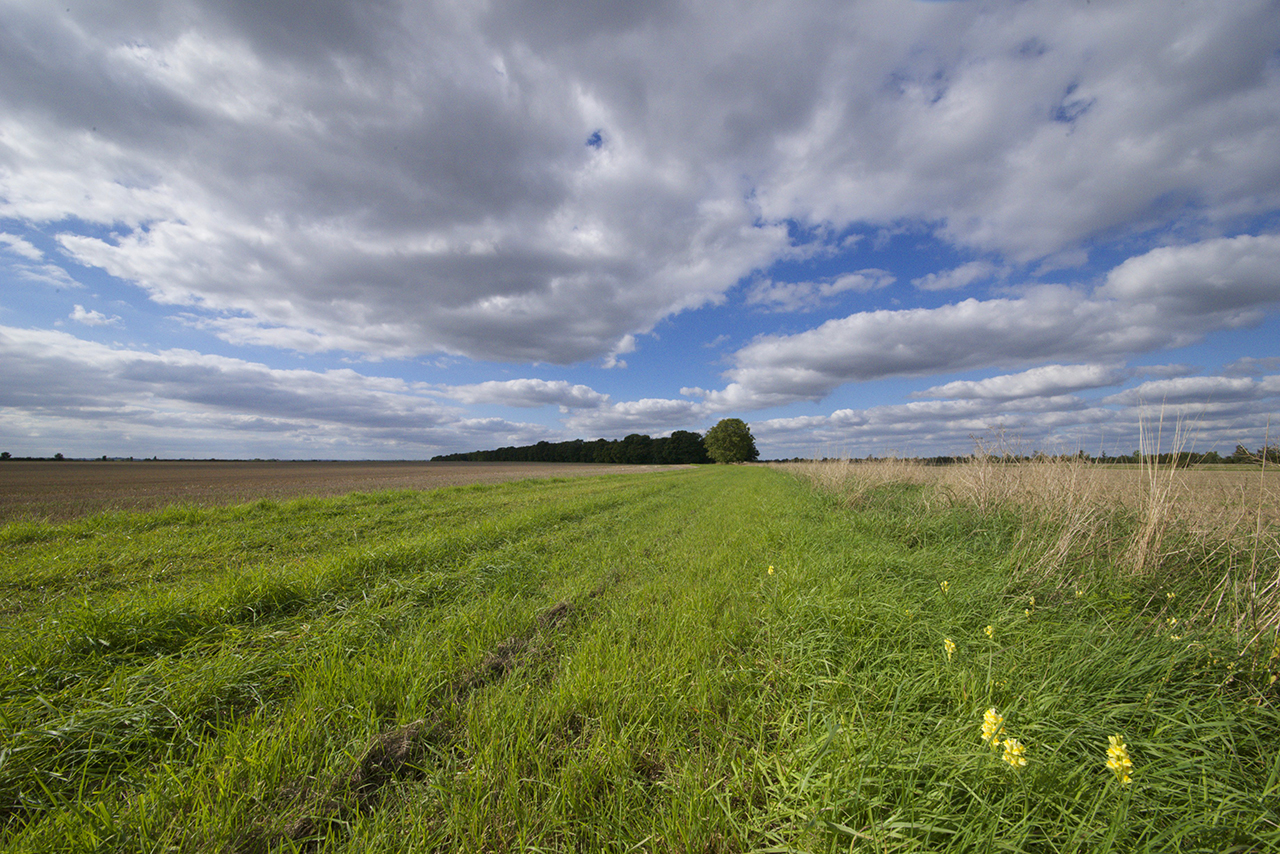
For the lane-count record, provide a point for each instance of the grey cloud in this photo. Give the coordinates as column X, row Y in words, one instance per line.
column 1251, row 366
column 804, row 296
column 972, row 136
column 312, row 30
column 395, row 179
column 57, row 378
column 1166, row 371
column 1198, row 390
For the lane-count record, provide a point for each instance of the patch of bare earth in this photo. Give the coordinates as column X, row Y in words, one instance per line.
column 68, row 489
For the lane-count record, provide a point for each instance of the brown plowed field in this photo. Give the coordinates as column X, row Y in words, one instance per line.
column 58, row 490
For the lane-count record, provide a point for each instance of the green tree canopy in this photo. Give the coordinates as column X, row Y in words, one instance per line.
column 730, row 441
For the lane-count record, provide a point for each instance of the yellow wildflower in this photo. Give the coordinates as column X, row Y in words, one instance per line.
column 1027, row 612
column 946, row 585
column 992, row 727
column 990, row 631
column 949, row 646
column 771, row 570
column 1033, row 601
column 1118, row 759
column 1014, row 753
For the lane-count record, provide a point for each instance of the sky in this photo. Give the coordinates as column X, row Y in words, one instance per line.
column 371, row 229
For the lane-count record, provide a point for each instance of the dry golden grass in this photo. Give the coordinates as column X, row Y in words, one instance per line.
column 1148, row 521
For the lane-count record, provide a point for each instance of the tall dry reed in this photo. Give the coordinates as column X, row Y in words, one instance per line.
column 1210, row 534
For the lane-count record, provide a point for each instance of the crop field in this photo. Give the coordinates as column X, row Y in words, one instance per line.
column 66, row 489
column 711, row 659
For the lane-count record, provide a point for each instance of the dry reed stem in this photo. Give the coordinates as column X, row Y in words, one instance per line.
column 1178, row 517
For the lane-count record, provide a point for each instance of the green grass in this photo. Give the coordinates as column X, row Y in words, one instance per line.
column 607, row 664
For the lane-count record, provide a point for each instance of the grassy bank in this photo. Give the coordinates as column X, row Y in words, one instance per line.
column 722, row 659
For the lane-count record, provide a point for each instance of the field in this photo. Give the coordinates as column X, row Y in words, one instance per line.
column 714, row 659
column 70, row 488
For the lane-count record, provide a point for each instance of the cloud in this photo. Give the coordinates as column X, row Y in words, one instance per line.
column 1198, row 390
column 1232, row 278
column 959, row 277
column 1114, row 120
column 1209, row 415
column 20, row 246
column 932, row 427
column 401, row 179
column 1149, row 302
column 626, row 344
column 1251, row 366
column 93, row 318
column 40, row 271
column 528, row 393
column 650, row 416
column 54, row 379
column 1045, row 381
column 805, row 296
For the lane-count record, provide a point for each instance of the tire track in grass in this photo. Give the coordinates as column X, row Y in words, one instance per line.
column 71, row 731
column 402, row 753
column 396, row 755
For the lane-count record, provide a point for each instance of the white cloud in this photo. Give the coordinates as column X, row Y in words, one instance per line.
column 959, row 277
column 20, row 246
column 1045, row 381
column 1147, row 303
column 528, row 393
column 650, row 416
column 626, row 344
column 93, row 318
column 1231, row 277
column 931, row 428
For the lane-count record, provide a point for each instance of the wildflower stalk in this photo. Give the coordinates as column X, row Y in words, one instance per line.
column 1118, row 759
column 992, row 727
column 1015, row 753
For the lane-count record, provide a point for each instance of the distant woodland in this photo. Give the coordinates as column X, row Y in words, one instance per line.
column 682, row 446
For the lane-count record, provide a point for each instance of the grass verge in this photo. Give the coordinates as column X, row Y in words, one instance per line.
column 722, row 659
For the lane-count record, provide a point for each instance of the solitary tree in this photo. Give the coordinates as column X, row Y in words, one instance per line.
column 731, row 441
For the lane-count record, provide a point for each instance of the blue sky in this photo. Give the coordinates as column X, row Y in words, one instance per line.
column 396, row 229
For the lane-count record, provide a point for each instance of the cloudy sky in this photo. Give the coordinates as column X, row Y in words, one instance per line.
column 391, row 228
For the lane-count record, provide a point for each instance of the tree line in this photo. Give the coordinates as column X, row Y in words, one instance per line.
column 682, row 446
column 730, row 441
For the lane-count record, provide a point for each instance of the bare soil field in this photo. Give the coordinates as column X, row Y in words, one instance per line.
column 67, row 489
